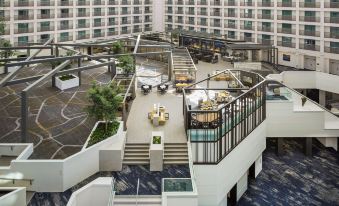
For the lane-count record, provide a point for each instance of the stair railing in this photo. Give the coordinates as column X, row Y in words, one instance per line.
column 137, row 194
column 112, row 192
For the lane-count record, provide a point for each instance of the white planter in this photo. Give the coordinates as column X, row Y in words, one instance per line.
column 156, row 152
column 2, row 69
column 62, row 85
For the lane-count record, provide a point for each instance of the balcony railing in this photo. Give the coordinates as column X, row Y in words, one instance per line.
column 311, row 47
column 245, row 15
column 112, row 33
column 125, row 2
column 46, row 3
column 98, row 2
column 65, row 3
column 333, row 35
column 286, row 31
column 45, row 16
column 83, row 14
column 86, row 36
column 231, row 26
column 202, row 13
column 98, row 24
column 309, row 18
column 202, row 2
column 65, row 26
column 65, row 38
column 266, row 41
column 334, row 20
column 216, row 13
column 23, row 30
column 309, row 33
column 65, row 15
column 223, row 129
column 246, row 27
column 247, row 3
column 265, row 4
column 286, row 18
column 332, row 5
column 24, row 17
column 215, row 24
column 98, row 34
column 230, row 3
column 265, row 28
column 85, row 25
column 46, row 28
column 128, row 31
column 112, row 23
column 309, row 4
column 83, row 3
column 23, row 3
column 264, row 16
column 286, row 44
column 334, row 50
column 113, row 2
column 5, row 4
column 231, row 14
column 125, row 22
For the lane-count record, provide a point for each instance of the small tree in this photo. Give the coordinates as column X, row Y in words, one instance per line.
column 127, row 64
column 117, row 47
column 6, row 53
column 105, row 102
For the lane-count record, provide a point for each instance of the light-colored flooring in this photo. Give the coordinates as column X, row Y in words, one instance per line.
column 139, row 127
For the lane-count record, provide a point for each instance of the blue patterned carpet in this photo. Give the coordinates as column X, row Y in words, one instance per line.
column 293, row 178
column 126, row 183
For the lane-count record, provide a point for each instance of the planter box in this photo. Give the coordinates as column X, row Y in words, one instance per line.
column 67, row 84
column 156, row 152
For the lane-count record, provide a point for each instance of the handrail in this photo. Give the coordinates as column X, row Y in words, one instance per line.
column 112, row 192
column 13, row 180
column 308, row 99
column 137, row 194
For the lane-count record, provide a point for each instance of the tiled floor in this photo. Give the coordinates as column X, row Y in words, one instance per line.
column 294, row 179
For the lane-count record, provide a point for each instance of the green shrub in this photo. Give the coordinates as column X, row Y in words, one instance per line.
column 100, row 133
column 156, row 140
column 66, row 77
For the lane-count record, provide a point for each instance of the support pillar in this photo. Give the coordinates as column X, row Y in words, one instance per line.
column 57, row 51
column 208, row 81
column 322, row 97
column 280, row 142
column 79, row 72
column 250, row 55
column 24, row 116
column 308, row 146
column 113, row 69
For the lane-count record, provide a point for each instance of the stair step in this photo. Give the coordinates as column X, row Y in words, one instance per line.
column 137, row 155
column 133, row 162
column 175, row 158
column 184, row 154
column 143, row 200
column 136, row 147
column 175, row 162
column 136, row 151
column 135, row 158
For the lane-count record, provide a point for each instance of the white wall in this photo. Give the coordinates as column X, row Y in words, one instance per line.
column 15, row 198
column 283, row 121
column 60, row 175
column 247, row 65
column 215, row 181
column 158, row 15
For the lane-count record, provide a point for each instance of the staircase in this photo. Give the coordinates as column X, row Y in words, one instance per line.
column 136, row 154
column 143, row 200
column 175, row 154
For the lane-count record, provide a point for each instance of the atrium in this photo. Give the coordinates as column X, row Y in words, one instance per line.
column 169, row 102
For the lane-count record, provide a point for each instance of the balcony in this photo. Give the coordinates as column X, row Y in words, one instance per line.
column 180, row 2
column 286, row 4
column 310, row 47
column 215, row 24
column 83, row 3
column 334, row 50
column 46, row 28
column 309, row 33
column 202, row 2
column 98, row 34
column 169, row 2
column 190, row 22
column 98, row 2
column 265, row 4
column 266, row 41
column 65, row 38
column 148, row 2
column 265, row 16
column 65, row 26
column 333, row 5
column 23, row 3
column 190, row 12
column 125, row 22
column 247, row 4
column 246, row 15
column 231, row 26
column 202, row 23
column 65, row 3
column 202, row 13
column 286, row 31
column 112, row 12
column 248, row 39
column 309, row 18
column 148, row 11
column 148, row 20
column 112, row 23
column 179, row 12
column 169, row 11
column 136, row 2
column 309, row 4
column 45, row 16
column 65, row 15
column 286, row 44
column 286, row 18
column 98, row 13
column 125, row 2
column 334, row 20
column 216, row 13
column 231, row 14
column 137, row 21
column 83, row 14
column 333, row 35
column 45, row 3
column 98, row 24
column 112, row 33
column 215, row 3
column 24, row 17
column 128, row 31
column 84, row 25
column 169, row 20
column 23, row 30
column 190, row 2
column 246, row 27
column 148, row 29
column 136, row 11
column 136, row 30
column 179, row 21
column 230, row 3
column 265, row 29
column 113, row 2
column 5, row 3
column 86, row 36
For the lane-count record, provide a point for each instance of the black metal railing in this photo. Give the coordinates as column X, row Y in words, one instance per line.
column 213, row 134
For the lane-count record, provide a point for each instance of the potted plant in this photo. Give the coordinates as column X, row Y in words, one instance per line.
column 117, row 47
column 303, row 100
column 105, row 101
column 156, row 151
column 127, row 64
column 66, row 81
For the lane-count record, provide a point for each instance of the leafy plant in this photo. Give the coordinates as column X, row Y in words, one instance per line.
column 6, row 53
column 100, row 133
column 70, row 53
column 156, row 140
column 105, row 102
column 117, row 47
column 127, row 64
column 66, row 77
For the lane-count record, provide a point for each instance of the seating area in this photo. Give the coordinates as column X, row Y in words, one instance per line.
column 158, row 115
column 146, row 89
column 206, row 56
column 163, row 88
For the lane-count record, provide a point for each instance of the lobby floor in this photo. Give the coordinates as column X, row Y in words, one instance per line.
column 293, row 178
